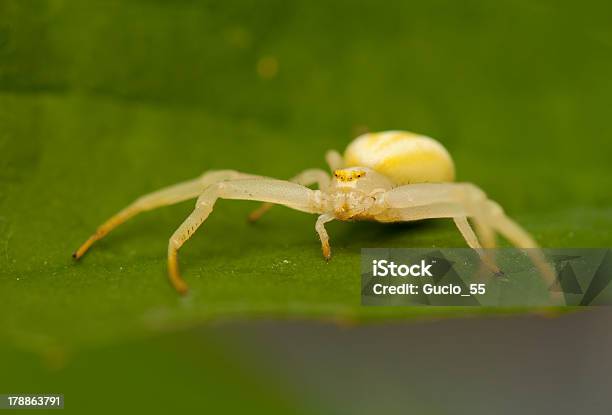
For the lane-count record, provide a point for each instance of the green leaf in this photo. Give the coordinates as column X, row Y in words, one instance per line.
column 101, row 103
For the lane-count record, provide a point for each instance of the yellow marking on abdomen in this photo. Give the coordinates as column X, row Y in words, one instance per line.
column 403, row 157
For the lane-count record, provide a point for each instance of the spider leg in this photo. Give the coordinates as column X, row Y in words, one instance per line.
column 467, row 196
column 320, row 228
column 167, row 196
column 281, row 192
column 474, row 203
column 443, row 210
column 305, row 178
column 334, row 160
column 485, row 233
column 512, row 231
column 467, row 232
column 470, row 237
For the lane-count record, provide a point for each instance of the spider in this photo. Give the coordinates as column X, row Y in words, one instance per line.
column 389, row 176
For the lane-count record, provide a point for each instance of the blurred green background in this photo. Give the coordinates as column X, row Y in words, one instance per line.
column 102, row 101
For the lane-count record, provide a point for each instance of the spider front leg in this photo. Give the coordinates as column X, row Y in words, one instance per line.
column 280, row 192
column 465, row 199
column 443, row 210
column 473, row 242
column 163, row 197
column 305, row 178
column 466, row 196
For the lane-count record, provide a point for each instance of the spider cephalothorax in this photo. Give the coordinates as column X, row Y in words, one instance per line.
column 386, row 177
column 349, row 175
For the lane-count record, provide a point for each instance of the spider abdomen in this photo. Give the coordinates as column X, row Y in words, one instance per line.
column 402, row 156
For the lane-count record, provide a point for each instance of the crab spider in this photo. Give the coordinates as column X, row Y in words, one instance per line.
column 386, row 177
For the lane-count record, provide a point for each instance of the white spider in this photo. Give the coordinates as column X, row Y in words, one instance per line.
column 386, row 177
